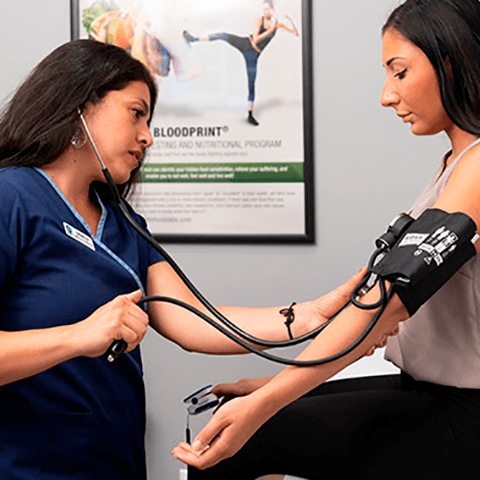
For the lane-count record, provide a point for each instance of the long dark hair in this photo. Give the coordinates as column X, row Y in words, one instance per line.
column 448, row 32
column 39, row 122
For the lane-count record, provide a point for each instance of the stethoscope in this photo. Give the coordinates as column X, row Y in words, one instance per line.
column 237, row 334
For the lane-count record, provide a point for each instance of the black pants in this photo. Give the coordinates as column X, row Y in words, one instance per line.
column 244, row 46
column 385, row 427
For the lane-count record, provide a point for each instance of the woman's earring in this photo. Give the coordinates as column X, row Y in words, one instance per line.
column 78, row 140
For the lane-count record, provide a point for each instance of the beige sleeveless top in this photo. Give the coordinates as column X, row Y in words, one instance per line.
column 441, row 342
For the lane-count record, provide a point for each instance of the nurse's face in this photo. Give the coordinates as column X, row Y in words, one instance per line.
column 119, row 128
column 411, row 86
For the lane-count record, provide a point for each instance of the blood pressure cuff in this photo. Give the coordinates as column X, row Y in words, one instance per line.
column 430, row 251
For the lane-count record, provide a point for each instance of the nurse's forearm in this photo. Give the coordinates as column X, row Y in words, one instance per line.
column 269, row 324
column 195, row 335
column 26, row 353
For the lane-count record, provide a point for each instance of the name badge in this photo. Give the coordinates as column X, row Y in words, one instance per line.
column 79, row 236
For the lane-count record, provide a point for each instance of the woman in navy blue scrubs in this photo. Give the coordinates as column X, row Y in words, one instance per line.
column 72, row 270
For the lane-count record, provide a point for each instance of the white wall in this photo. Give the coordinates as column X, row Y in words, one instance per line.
column 368, row 167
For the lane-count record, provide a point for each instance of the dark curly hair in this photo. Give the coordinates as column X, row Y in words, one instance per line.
column 38, row 123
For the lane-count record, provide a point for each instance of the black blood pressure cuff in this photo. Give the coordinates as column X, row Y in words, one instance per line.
column 428, row 253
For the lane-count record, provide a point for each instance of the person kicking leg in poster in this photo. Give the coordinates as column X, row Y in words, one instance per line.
column 251, row 47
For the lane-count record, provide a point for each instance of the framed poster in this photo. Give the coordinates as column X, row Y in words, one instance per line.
column 232, row 154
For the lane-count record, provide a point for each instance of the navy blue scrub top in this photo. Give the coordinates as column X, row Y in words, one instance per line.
column 85, row 418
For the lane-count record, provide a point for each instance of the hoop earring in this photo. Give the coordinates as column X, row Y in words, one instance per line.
column 78, row 140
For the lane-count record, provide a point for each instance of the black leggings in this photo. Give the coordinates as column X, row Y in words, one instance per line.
column 244, row 46
column 383, row 427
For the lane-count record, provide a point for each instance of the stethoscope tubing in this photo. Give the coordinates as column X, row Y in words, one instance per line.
column 269, row 356
column 242, row 338
column 239, row 336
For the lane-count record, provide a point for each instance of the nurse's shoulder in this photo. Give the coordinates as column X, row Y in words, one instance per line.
column 19, row 187
column 16, row 181
column 12, row 178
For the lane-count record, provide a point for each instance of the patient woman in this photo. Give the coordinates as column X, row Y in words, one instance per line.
column 423, row 423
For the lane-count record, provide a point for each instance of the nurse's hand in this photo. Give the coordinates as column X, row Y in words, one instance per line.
column 119, row 319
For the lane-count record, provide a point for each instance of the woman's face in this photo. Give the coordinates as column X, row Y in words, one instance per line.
column 268, row 11
column 118, row 125
column 411, row 86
